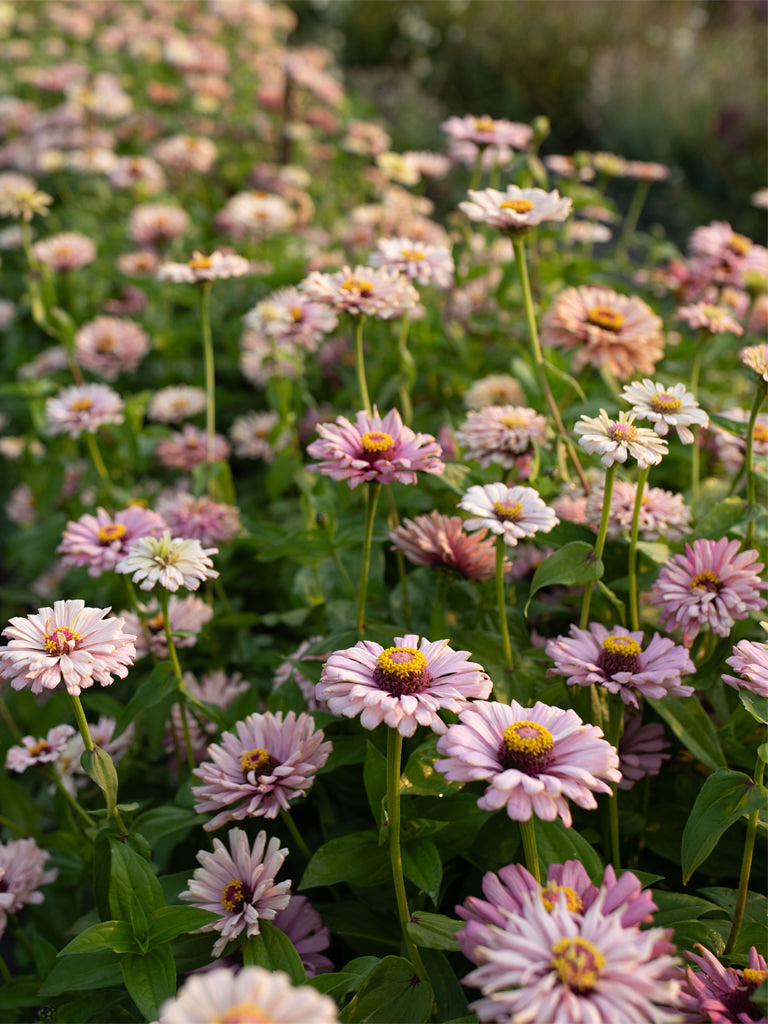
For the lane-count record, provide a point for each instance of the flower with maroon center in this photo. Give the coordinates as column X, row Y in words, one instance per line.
column 375, row 448
column 722, row 994
column 616, row 440
column 712, row 584
column 40, row 751
column 404, row 686
column 616, row 661
column 533, row 759
column 517, row 210
column 511, row 512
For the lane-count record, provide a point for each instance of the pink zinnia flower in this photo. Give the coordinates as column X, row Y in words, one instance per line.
column 552, row 965
column 750, row 660
column 615, row 440
column 723, row 995
column 642, row 749
column 170, row 562
column 533, row 759
column 720, row 254
column 38, row 751
column 517, row 210
column 375, row 448
column 666, row 407
column 100, row 541
column 488, row 131
column 224, row 994
column 380, row 292
column 425, row 264
column 187, row 448
column 500, row 434
column 663, row 515
column 211, row 522
column 756, row 358
column 22, row 873
column 83, row 407
column 712, row 584
column 289, row 315
column 175, row 403
column 239, row 884
column 255, row 213
column 186, row 618
column 186, row 153
column 289, row 671
column 251, row 435
column 706, row 316
column 110, row 346
column 216, row 267
column 156, row 224
column 68, row 642
column 215, row 688
column 304, row 927
column 615, row 659
column 440, row 541
column 258, row 769
column 510, row 512
column 404, row 686
column 495, row 389
column 67, row 251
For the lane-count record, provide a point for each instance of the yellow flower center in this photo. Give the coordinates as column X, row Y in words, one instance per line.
column 622, row 432
column 578, row 963
column 740, row 244
column 199, row 261
column 243, row 1013
column 550, row 893
column 61, row 640
column 507, row 511
column 412, row 254
column 620, row 653
column 233, row 895
column 110, row 532
column 377, row 441
column 41, row 747
column 401, row 670
column 157, row 623
column 527, row 746
column 258, row 761
column 760, row 433
column 358, row 284
column 297, row 314
column 705, row 580
column 511, row 421
column 664, row 402
column 81, row 404
column 484, row 124
column 754, row 977
column 517, row 205
column 607, row 317
column 106, row 343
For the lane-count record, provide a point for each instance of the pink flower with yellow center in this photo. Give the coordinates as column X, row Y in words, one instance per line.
column 67, row 251
column 110, row 346
column 511, row 512
column 500, row 434
column 615, row 440
column 33, row 751
column 666, row 407
column 99, row 541
column 382, row 292
column 68, row 643
column 720, row 994
column 199, row 267
column 83, row 407
column 488, row 131
column 516, row 210
column 706, row 316
column 425, row 264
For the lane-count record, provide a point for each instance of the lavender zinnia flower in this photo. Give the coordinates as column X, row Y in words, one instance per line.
column 750, row 660
column 38, row 751
column 99, row 541
column 723, row 995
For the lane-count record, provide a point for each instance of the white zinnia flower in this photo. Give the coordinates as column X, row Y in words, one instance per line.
column 512, row 512
column 614, row 440
column 172, row 562
column 665, row 407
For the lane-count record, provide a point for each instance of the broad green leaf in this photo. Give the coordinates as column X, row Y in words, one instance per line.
column 131, row 880
column 83, row 972
column 375, row 780
column 756, row 705
column 724, row 798
column 167, row 923
column 19, row 991
column 97, row 765
column 392, row 992
column 150, row 979
column 434, row 931
column 167, row 821
column 421, row 778
column 159, row 684
column 274, row 951
column 555, row 844
column 675, row 907
column 693, row 727
column 356, row 859
column 569, row 566
column 450, row 994
column 755, row 909
column 114, row 935
column 341, row 983
column 423, row 867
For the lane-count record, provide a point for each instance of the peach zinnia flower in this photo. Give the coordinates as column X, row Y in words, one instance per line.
column 604, row 329
column 440, row 541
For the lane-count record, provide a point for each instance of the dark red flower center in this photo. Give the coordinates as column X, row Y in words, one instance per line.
column 234, row 895
column 401, row 670
column 619, row 654
column 527, row 746
column 738, row 1001
column 258, row 762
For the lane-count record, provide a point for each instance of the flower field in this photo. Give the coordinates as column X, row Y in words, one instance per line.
column 384, row 543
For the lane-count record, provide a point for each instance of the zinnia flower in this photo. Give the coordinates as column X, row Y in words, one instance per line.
column 516, row 210
column 83, row 407
column 188, row 447
column 111, row 345
column 186, row 618
column 533, row 759
column 615, row 440
column 99, row 542
column 663, row 515
column 511, row 512
column 666, row 407
column 750, row 660
column 178, row 402
column 38, row 751
column 488, row 131
column 67, row 251
column 425, row 264
column 68, row 642
column 239, row 884
column 381, row 292
column 705, row 316
column 495, row 389
column 375, row 448
column 500, row 434
column 304, row 927
column 603, row 328
column 169, row 561
column 615, row 659
column 440, row 541
column 210, row 522
column 251, row 436
column 258, row 769
column 756, row 358
column 216, row 688
column 712, row 583
column 216, row 267
column 642, row 749
column 403, row 686
column 252, row 993
column 21, row 874
column 721, row 994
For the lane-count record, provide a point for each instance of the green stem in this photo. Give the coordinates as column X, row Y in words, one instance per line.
column 370, row 515
column 695, row 470
column 101, row 469
column 74, row 803
column 600, row 542
column 394, row 522
column 698, row 355
column 746, row 863
column 406, row 371
column 634, row 613
column 525, row 285
column 749, row 458
column 528, row 832
column 633, row 215
column 360, row 363
column 9, row 721
column 477, row 170
column 179, row 678
column 82, row 721
column 394, row 755
column 297, row 837
column 210, row 372
column 501, row 550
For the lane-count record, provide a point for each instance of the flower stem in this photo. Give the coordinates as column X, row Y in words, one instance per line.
column 55, row 778
column 210, row 373
column 749, row 457
column 600, row 542
column 528, row 832
column 538, row 357
column 297, row 837
column 179, row 677
column 501, row 550
column 360, row 363
column 101, row 469
column 746, row 863
column 394, row 755
column 633, row 215
column 9, row 721
column 634, row 613
column 370, row 515
column 82, row 721
column 407, row 374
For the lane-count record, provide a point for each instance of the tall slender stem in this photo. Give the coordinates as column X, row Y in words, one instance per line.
column 297, row 837
column 82, row 721
column 746, row 863
column 525, row 285
column 394, row 521
column 501, row 550
column 600, row 542
column 634, row 613
column 210, row 372
column 528, row 832
column 98, row 461
column 394, row 755
column 633, row 215
column 360, row 363
column 749, row 457
column 407, row 366
column 179, row 678
column 370, row 515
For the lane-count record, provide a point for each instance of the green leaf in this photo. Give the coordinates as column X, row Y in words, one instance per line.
column 675, row 907
column 166, row 821
column 725, row 797
column 356, row 859
column 421, row 778
column 131, row 881
column 150, row 979
column 755, row 908
column 167, row 923
column 83, row 972
column 114, row 935
column 434, row 931
column 339, row 984
column 97, row 765
column 569, row 566
column 555, row 844
column 724, row 516
column 274, row 951
column 159, row 684
column 375, row 780
column 422, row 866
column 392, row 992
column 693, row 727
column 756, row 705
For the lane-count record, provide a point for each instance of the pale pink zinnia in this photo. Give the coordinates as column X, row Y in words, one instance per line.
column 156, row 224
column 381, row 292
column 500, row 434
column 717, row 994
column 663, row 514
column 616, row 660
column 170, row 562
column 488, row 131
column 288, row 315
column 110, row 346
column 258, row 435
column 211, row 522
column 187, row 448
column 99, row 541
column 750, row 660
column 534, row 760
column 706, row 316
column 712, row 584
column 495, row 389
column 176, row 402
column 260, row 768
column 604, row 329
column 69, row 643
column 239, row 884
column 216, row 267
column 22, row 872
column 425, row 264
column 614, row 440
column 516, row 210
column 441, row 541
column 67, row 251
column 43, row 750
column 509, row 512
column 186, row 618
column 666, row 407
column 304, row 927
column 403, row 686
column 83, row 407
column 374, row 447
